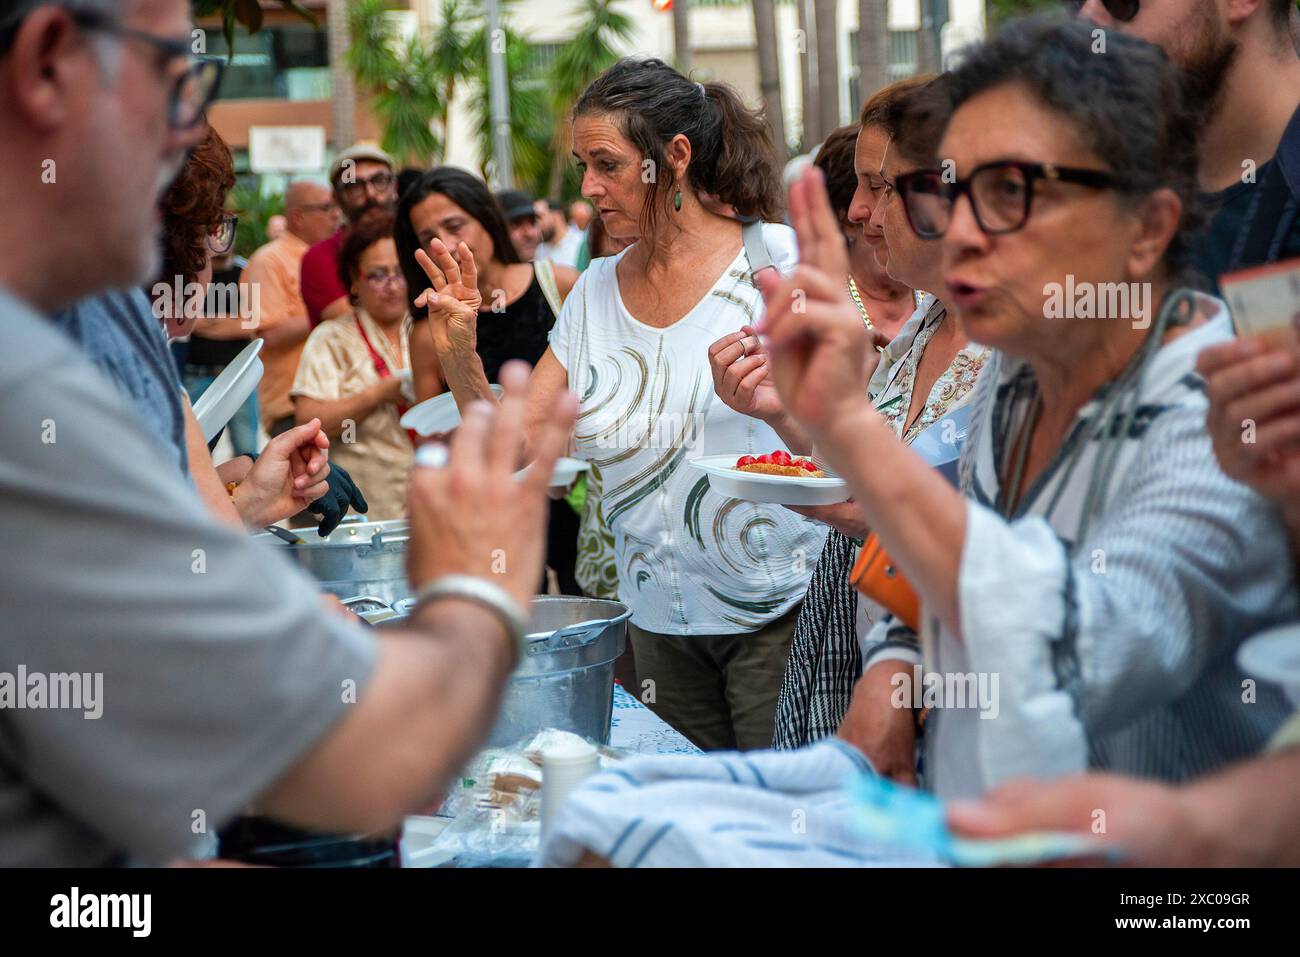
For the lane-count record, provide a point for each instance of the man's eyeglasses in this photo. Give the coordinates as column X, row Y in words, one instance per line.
column 195, row 89
column 1122, row 10
column 379, row 279
column 1001, row 194
column 319, row 208
column 380, row 184
column 222, row 239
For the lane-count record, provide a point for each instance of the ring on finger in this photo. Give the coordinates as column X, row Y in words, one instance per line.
column 432, row 456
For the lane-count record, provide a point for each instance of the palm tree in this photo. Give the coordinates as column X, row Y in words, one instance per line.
column 529, row 118
column 452, row 60
column 769, row 73
column 873, row 47
column 400, row 79
column 583, row 58
column 343, row 91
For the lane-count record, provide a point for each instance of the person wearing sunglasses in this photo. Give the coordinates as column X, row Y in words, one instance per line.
column 1099, row 562
column 365, row 187
column 355, row 372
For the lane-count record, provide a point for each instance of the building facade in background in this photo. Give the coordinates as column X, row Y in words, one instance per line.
column 281, row 81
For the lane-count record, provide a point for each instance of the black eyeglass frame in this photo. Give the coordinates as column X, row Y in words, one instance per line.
column 229, row 221
column 201, row 71
column 359, row 187
column 905, row 186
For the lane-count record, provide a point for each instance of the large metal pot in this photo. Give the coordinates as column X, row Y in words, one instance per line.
column 565, row 679
column 357, row 558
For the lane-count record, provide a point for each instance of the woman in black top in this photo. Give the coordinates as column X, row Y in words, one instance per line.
column 454, row 206
column 520, row 303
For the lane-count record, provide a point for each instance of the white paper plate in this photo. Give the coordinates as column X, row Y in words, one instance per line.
column 420, row 835
column 438, row 414
column 229, row 391
column 566, row 470
column 1274, row 656
column 769, row 489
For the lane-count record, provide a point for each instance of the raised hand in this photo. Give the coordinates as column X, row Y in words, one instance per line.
column 472, row 516
column 1254, row 416
column 454, row 299
column 817, row 342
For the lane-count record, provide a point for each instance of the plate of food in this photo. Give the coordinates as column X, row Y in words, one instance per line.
column 774, row 478
column 439, row 414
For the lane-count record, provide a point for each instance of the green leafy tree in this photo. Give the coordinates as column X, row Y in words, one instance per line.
column 452, row 56
column 400, row 78
column 255, row 210
column 591, row 51
column 530, row 126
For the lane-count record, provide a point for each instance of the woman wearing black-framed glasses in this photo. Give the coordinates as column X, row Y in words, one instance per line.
column 1001, row 194
column 1097, row 560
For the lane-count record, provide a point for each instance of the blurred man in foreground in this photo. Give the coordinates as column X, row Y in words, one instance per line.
column 224, row 682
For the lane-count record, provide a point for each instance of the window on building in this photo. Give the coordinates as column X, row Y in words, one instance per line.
column 286, row 62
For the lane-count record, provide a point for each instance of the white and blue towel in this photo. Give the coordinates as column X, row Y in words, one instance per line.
column 726, row 809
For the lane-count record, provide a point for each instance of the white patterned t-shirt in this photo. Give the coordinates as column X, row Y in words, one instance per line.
column 690, row 561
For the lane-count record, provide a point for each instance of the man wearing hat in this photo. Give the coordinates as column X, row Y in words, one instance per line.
column 365, row 187
column 521, row 219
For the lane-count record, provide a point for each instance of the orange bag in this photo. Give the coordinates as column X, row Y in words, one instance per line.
column 877, row 577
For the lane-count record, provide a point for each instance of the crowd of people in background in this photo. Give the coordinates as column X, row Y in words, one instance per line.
column 693, row 313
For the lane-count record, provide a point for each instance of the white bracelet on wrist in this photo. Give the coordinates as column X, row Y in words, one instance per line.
column 482, row 592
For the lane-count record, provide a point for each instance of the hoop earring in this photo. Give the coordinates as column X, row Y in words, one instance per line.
column 677, row 201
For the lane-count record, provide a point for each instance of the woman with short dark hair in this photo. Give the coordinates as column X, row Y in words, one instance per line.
column 713, row 583
column 1100, row 565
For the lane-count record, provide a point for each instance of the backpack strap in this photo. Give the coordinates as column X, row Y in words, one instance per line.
column 544, row 269
column 755, row 247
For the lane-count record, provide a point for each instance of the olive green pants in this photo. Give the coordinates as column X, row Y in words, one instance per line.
column 720, row 691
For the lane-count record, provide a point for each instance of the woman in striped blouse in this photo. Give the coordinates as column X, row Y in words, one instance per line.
column 1100, row 570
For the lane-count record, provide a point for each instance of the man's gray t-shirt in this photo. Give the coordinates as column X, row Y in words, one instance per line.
column 220, row 665
column 119, row 333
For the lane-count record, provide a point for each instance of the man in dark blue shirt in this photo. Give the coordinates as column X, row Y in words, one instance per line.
column 1241, row 70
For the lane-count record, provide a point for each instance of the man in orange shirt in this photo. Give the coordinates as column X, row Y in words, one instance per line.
column 281, row 314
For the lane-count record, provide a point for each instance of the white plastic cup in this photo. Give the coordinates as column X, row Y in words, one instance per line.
column 564, row 767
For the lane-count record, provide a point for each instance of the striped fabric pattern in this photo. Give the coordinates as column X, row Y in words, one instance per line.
column 1117, row 653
